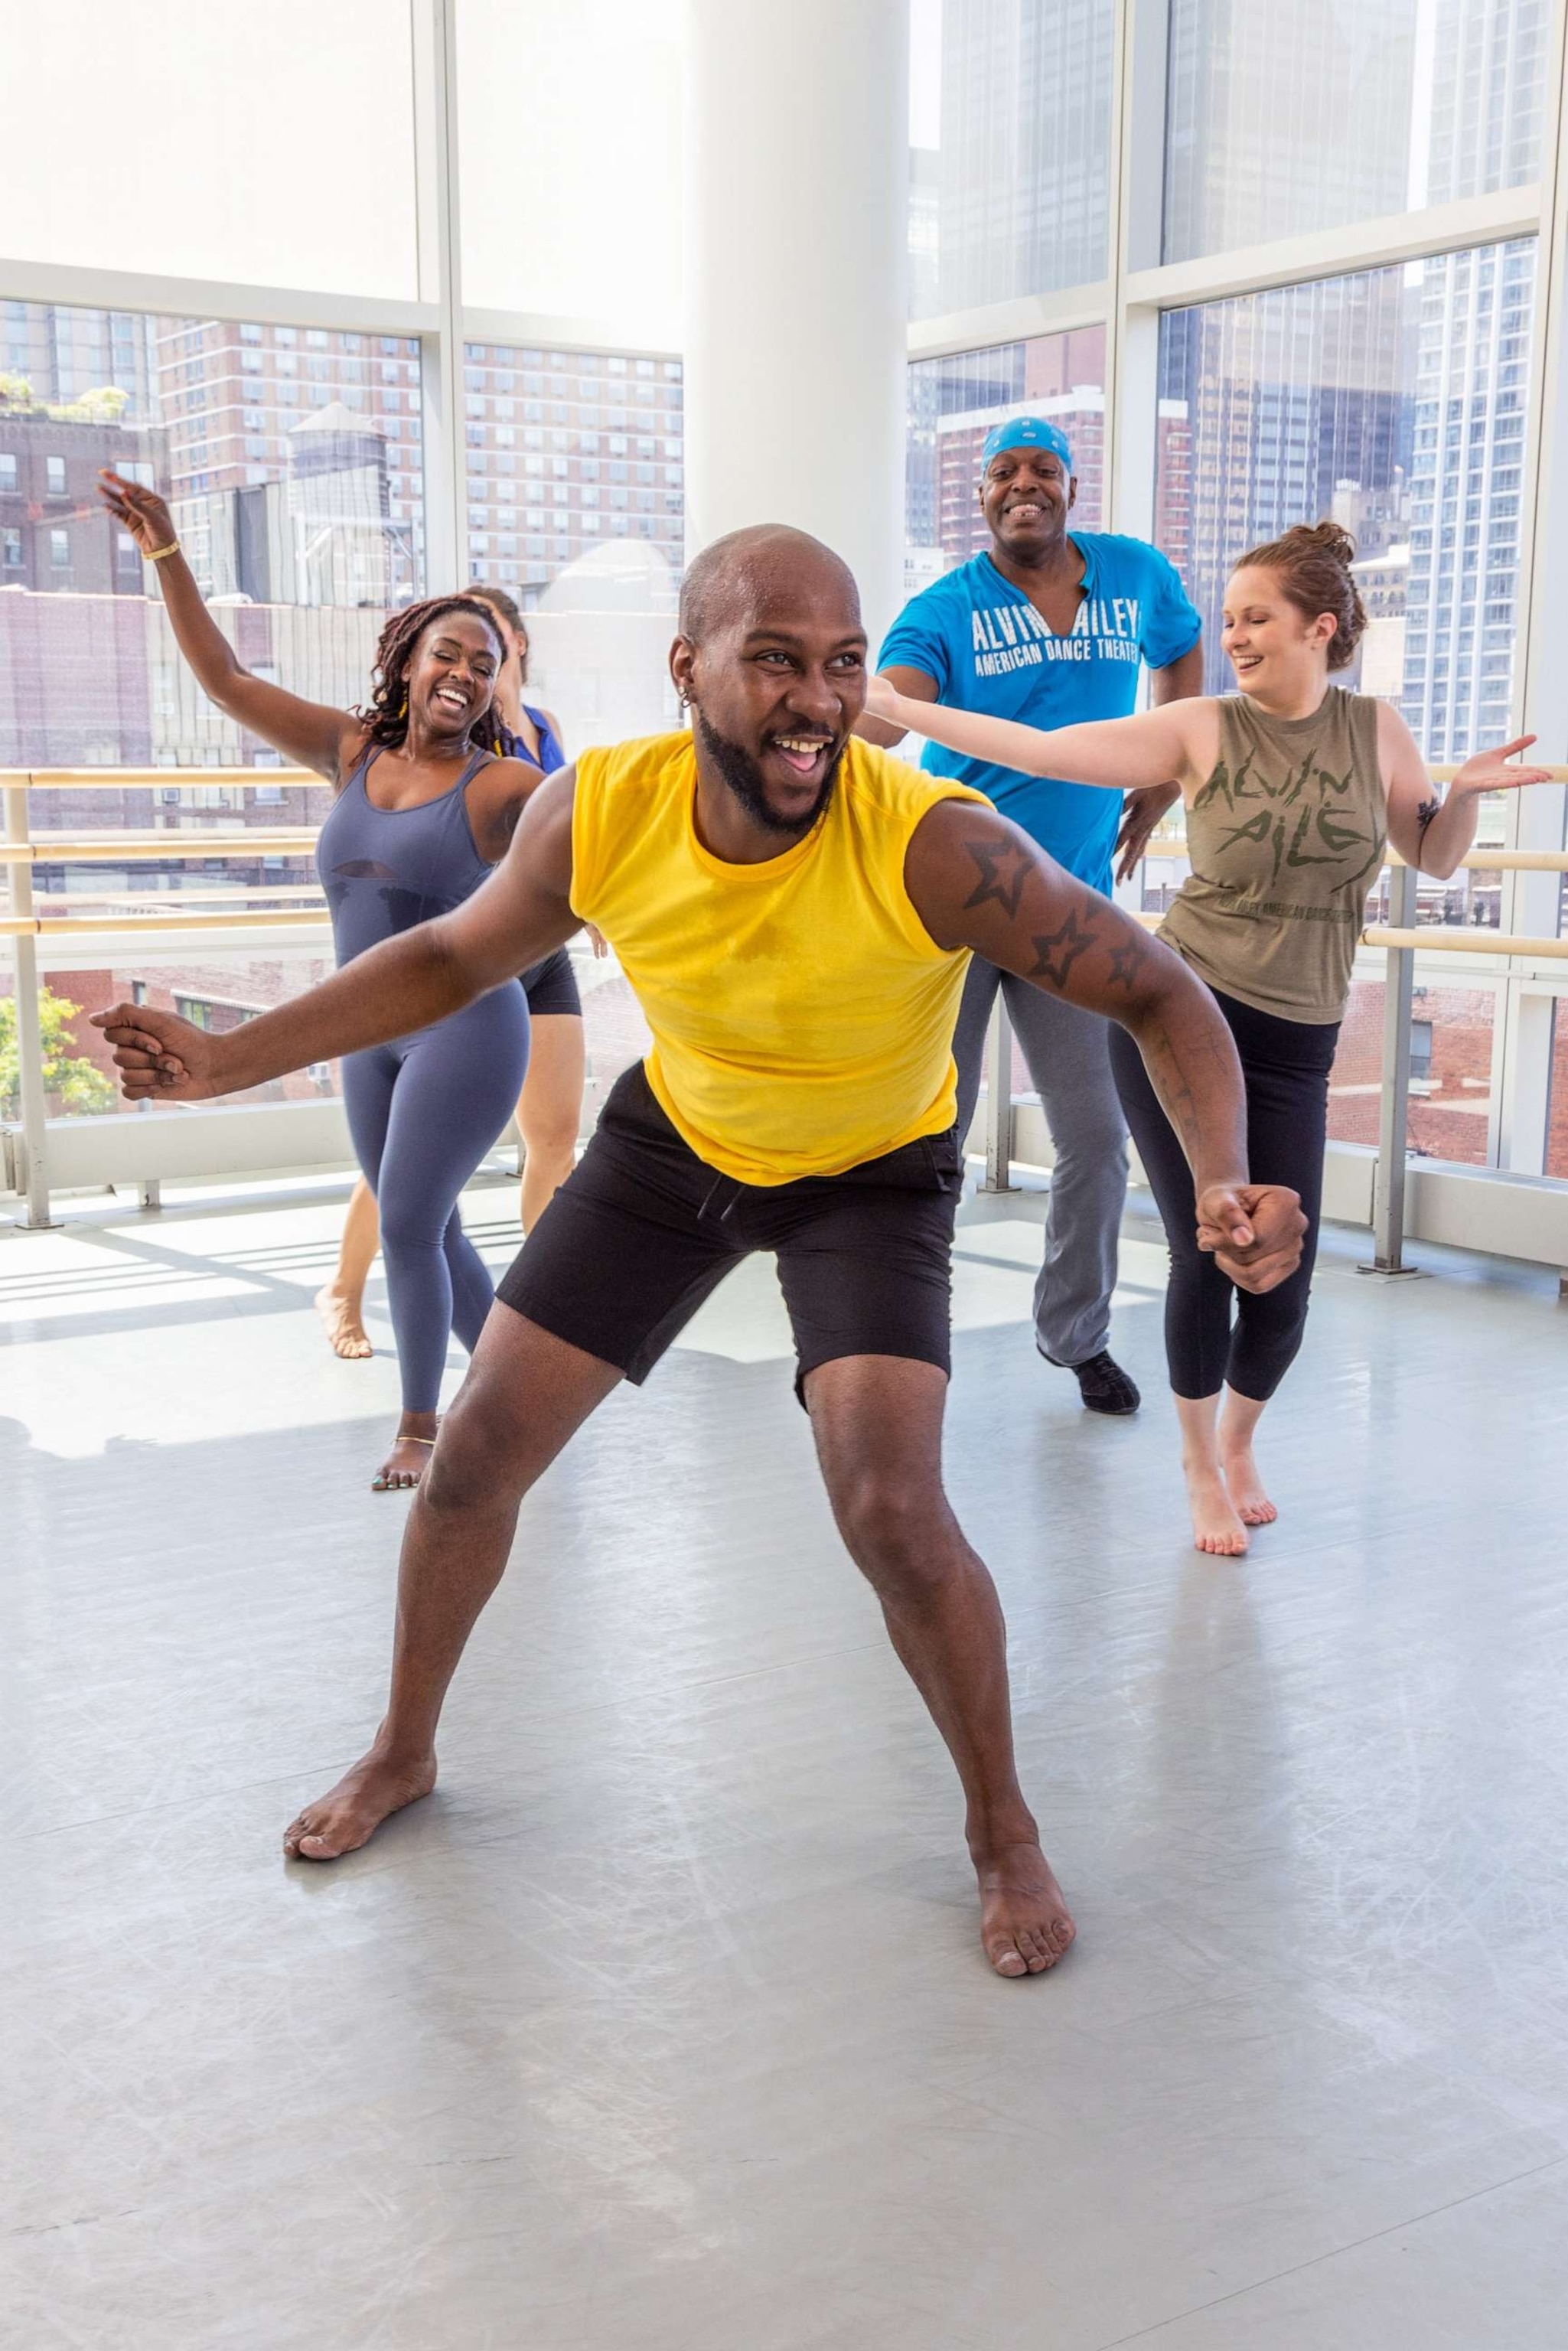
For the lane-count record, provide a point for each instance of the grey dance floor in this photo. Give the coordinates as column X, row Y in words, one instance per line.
column 664, row 2026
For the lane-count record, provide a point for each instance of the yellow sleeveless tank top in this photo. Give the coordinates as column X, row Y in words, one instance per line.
column 802, row 1015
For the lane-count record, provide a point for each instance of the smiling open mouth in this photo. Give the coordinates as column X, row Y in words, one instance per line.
column 804, row 753
column 452, row 697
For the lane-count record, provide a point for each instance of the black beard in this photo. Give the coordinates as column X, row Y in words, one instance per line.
column 743, row 777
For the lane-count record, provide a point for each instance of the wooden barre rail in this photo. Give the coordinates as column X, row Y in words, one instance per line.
column 1477, row 861
column 136, row 779
column 1456, row 938
column 141, row 779
column 183, row 848
column 1440, row 938
column 20, row 926
column 147, row 848
column 179, row 902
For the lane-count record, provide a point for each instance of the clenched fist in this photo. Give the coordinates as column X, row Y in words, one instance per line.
column 1254, row 1233
column 160, row 1057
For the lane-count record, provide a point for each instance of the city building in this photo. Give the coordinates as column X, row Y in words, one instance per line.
column 567, row 449
column 55, row 537
column 1282, row 119
column 1022, row 169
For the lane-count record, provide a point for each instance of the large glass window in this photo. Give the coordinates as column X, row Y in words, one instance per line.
column 303, row 523
column 212, row 139
column 953, row 403
column 1009, row 149
column 1307, row 114
column 1395, row 401
column 571, row 160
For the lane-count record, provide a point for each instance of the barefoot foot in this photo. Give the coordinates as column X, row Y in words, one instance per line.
column 345, row 1330
column 407, row 1462
column 1216, row 1527
column 1025, row 1924
column 349, row 1815
column 1246, row 1490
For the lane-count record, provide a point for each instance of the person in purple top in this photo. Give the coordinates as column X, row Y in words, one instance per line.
column 424, row 810
column 1052, row 626
column 549, row 1108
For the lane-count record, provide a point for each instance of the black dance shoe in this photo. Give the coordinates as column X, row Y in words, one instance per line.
column 1102, row 1384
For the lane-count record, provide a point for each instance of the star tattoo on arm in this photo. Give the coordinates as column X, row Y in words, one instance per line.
column 1056, row 952
column 1127, row 961
column 1003, row 869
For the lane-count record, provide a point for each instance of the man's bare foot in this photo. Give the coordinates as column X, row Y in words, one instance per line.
column 1216, row 1527
column 1025, row 1924
column 1245, row 1488
column 348, row 1816
column 409, row 1459
column 344, row 1329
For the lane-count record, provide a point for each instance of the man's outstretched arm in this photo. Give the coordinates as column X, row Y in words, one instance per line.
column 521, row 914
column 976, row 881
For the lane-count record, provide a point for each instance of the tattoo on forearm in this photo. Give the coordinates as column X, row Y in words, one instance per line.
column 1056, row 952
column 1003, row 869
column 1177, row 1097
column 1425, row 812
column 1127, row 961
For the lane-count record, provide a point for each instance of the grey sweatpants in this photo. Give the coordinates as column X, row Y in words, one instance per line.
column 1067, row 1053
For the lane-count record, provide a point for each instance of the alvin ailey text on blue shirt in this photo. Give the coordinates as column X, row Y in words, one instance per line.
column 1013, row 636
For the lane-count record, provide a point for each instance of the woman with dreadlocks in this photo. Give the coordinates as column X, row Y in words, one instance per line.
column 549, row 1108
column 424, row 810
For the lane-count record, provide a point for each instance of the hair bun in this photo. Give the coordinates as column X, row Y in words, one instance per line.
column 1330, row 539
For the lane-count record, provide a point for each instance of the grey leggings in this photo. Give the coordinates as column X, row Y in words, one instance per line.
column 422, row 1113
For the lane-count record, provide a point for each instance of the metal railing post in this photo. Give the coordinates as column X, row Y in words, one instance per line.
column 1394, row 1122
column 29, row 1028
column 999, row 1101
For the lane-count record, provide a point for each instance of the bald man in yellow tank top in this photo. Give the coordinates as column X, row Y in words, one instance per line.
column 795, row 910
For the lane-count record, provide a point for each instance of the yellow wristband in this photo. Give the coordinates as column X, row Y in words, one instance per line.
column 158, row 554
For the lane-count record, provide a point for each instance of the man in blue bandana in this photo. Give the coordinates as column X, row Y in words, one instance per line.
column 1052, row 626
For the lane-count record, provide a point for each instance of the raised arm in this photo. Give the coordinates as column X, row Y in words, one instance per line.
column 1119, row 753
column 979, row 882
column 1430, row 831
column 312, row 733
column 520, row 914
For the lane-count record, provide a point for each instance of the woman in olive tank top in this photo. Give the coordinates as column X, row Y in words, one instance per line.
column 1293, row 788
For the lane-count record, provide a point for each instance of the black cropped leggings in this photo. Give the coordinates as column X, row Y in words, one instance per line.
column 1285, row 1065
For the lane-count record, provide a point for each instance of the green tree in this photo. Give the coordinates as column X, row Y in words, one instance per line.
column 78, row 1084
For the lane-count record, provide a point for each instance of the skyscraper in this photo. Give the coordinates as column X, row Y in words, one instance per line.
column 1284, row 118
column 1471, row 384
column 1022, row 178
column 567, row 450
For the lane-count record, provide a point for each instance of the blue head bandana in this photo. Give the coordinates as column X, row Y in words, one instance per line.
column 1027, row 433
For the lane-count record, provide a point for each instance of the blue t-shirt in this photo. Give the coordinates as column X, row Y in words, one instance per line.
column 989, row 651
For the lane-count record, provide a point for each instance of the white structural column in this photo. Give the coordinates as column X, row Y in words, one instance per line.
column 435, row 47
column 797, row 177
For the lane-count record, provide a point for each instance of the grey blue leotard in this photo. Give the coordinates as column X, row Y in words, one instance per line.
column 422, row 1111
